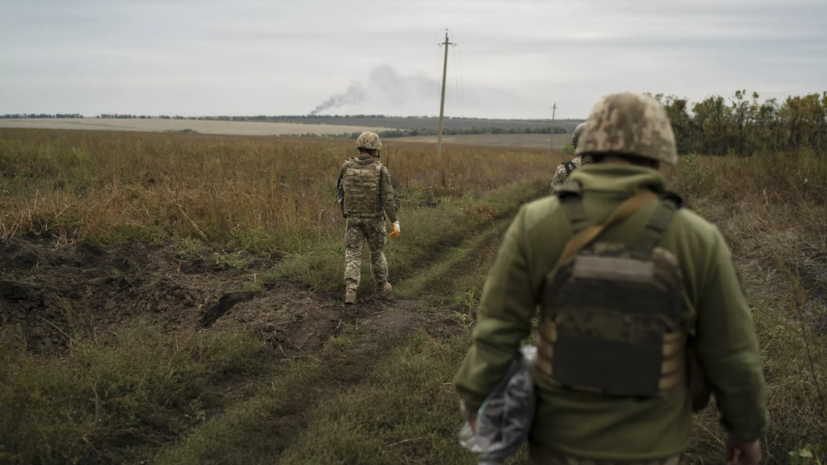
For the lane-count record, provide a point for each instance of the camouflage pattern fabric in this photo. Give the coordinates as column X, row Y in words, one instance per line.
column 361, row 178
column 358, row 231
column 368, row 140
column 552, row 458
column 560, row 176
column 632, row 124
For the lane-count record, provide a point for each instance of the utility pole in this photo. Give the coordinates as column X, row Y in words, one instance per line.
column 551, row 144
column 442, row 100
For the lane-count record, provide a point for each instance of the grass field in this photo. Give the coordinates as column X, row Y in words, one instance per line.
column 176, row 298
column 249, row 128
column 205, row 127
column 431, row 122
column 532, row 141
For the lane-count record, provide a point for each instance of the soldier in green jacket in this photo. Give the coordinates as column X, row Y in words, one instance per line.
column 626, row 282
column 366, row 195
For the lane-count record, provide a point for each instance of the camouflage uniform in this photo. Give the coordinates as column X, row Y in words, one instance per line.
column 572, row 426
column 358, row 231
column 565, row 169
column 562, row 173
column 366, row 195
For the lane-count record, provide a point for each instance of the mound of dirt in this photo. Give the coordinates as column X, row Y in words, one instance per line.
column 56, row 292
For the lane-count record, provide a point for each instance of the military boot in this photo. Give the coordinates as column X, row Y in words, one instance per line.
column 384, row 290
column 350, row 296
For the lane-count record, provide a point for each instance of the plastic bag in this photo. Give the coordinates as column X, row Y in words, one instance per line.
column 504, row 419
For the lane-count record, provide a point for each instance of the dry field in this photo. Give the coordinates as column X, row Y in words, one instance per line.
column 533, row 141
column 204, row 127
column 176, row 298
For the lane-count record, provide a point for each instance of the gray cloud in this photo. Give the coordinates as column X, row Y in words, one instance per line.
column 515, row 57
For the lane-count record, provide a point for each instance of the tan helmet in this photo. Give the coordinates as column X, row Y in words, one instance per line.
column 575, row 136
column 369, row 140
column 632, row 124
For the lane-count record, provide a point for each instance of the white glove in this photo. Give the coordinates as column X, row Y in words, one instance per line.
column 396, row 224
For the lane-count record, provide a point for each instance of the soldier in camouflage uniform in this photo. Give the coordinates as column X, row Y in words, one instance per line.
column 565, row 169
column 366, row 195
column 639, row 299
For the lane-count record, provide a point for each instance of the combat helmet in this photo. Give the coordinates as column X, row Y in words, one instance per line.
column 575, row 136
column 631, row 124
column 369, row 140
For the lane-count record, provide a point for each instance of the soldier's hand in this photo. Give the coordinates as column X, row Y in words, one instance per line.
column 396, row 230
column 742, row 453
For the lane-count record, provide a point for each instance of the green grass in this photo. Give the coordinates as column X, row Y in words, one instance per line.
column 362, row 401
column 117, row 398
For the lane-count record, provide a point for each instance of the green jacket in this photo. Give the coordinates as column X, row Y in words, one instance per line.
column 604, row 427
column 386, row 198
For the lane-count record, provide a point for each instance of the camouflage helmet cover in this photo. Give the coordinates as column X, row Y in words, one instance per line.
column 575, row 136
column 368, row 140
column 628, row 123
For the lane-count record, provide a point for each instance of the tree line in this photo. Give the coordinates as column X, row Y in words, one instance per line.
column 40, row 115
column 743, row 125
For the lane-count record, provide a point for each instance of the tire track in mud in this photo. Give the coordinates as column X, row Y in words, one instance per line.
column 441, row 278
column 436, row 255
column 380, row 326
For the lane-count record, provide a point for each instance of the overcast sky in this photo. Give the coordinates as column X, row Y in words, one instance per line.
column 514, row 58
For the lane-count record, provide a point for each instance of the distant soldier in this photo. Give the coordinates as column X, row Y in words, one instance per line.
column 639, row 300
column 366, row 195
column 566, row 168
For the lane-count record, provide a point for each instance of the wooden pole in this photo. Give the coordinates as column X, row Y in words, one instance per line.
column 442, row 100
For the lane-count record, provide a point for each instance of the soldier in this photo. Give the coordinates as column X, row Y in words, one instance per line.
column 565, row 168
column 622, row 316
column 365, row 192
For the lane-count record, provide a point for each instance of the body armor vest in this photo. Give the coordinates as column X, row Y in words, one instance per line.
column 612, row 313
column 361, row 182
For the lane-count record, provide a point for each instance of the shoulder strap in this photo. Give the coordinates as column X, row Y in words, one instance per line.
column 570, row 166
column 656, row 226
column 625, row 210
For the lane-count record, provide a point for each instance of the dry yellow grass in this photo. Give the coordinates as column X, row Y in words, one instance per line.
column 534, row 141
column 264, row 192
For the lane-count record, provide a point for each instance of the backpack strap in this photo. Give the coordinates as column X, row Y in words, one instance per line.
column 570, row 198
column 656, row 226
column 570, row 166
column 585, row 236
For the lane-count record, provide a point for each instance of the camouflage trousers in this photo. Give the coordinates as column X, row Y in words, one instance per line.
column 539, row 457
column 358, row 231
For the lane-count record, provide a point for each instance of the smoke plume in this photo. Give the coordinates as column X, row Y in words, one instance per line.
column 384, row 86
